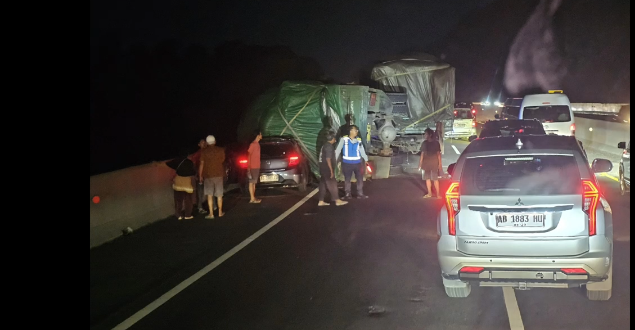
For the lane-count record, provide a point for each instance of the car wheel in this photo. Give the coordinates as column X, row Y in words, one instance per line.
column 457, row 288
column 601, row 290
column 622, row 185
column 305, row 179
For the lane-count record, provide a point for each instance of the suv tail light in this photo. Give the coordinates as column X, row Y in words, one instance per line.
column 471, row 270
column 242, row 162
column 453, row 206
column 590, row 199
column 572, row 128
column 574, row 271
column 294, row 160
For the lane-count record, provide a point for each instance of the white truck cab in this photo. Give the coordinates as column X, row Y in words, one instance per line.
column 553, row 110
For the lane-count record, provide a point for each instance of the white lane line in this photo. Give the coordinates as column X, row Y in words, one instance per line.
column 456, row 150
column 513, row 312
column 174, row 291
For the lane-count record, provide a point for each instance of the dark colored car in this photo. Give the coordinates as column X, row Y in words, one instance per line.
column 625, row 167
column 282, row 164
column 493, row 128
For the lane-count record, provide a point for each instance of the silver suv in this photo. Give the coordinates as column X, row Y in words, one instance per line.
column 525, row 212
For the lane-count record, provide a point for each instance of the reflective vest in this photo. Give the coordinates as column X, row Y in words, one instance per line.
column 350, row 151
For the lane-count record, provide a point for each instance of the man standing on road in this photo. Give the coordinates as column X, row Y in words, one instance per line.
column 253, row 166
column 430, row 162
column 352, row 151
column 200, row 195
column 327, row 175
column 211, row 171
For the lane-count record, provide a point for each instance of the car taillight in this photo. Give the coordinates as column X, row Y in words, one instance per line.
column 453, row 206
column 590, row 199
column 473, row 124
column 572, row 128
column 242, row 163
column 294, row 160
column 473, row 111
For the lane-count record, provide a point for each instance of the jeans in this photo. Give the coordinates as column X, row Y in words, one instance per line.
column 326, row 182
column 348, row 170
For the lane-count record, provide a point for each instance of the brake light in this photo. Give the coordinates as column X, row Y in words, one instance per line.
column 590, row 199
column 572, row 128
column 574, row 271
column 294, row 160
column 471, row 270
column 521, row 131
column 455, row 112
column 242, row 163
column 453, row 206
column 473, row 111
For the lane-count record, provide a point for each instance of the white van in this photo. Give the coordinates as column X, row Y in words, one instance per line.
column 553, row 110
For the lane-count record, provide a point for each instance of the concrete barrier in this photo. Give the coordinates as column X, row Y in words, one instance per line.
column 131, row 197
column 601, row 135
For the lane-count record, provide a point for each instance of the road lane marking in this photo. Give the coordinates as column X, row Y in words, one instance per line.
column 456, row 150
column 181, row 286
column 610, row 177
column 513, row 312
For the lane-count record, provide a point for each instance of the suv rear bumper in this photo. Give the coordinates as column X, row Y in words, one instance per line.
column 537, row 270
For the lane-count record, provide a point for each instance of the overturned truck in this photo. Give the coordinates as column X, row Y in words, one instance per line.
column 410, row 95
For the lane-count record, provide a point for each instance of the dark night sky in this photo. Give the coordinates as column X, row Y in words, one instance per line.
column 342, row 35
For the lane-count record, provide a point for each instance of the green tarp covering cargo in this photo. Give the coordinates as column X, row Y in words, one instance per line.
column 307, row 110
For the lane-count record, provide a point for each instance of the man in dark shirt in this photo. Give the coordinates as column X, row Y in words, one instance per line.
column 327, row 174
column 430, row 162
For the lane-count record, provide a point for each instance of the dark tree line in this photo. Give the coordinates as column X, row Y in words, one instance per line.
column 150, row 102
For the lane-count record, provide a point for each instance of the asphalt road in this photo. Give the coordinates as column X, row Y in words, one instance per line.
column 370, row 264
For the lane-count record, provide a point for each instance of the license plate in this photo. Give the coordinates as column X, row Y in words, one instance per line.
column 520, row 220
column 269, row 178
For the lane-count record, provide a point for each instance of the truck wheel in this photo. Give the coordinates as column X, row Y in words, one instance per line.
column 601, row 290
column 456, row 288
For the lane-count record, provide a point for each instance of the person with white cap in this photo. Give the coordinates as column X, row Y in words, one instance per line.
column 211, row 172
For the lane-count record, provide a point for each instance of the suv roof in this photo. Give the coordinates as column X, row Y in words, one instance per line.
column 530, row 143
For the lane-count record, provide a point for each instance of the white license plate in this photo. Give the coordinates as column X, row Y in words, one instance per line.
column 269, row 178
column 520, row 219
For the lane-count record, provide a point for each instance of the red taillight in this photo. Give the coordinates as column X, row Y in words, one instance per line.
column 572, row 128
column 521, row 131
column 473, row 124
column 455, row 112
column 370, row 170
column 471, row 270
column 242, row 163
column 294, row 160
column 452, row 205
column 590, row 199
column 473, row 111
column 574, row 271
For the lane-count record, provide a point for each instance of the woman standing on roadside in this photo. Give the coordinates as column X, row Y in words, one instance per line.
column 183, row 186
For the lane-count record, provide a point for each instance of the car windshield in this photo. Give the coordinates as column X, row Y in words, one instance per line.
column 521, row 175
column 548, row 113
column 275, row 149
column 463, row 114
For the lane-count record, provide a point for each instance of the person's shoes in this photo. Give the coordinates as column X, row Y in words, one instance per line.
column 321, row 203
column 347, row 196
column 340, row 202
column 211, row 216
column 188, row 218
column 180, row 218
column 362, row 196
column 202, row 211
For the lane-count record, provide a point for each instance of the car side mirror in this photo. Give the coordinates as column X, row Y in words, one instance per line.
column 497, row 116
column 621, row 145
column 471, row 138
column 451, row 168
column 601, row 165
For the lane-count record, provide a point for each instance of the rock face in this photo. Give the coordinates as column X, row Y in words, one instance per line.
column 581, row 47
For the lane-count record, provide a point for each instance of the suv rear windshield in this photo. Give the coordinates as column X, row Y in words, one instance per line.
column 511, row 112
column 548, row 113
column 275, row 149
column 521, row 175
column 463, row 114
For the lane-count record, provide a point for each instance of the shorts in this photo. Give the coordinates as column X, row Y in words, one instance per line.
column 431, row 175
column 255, row 173
column 213, row 186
